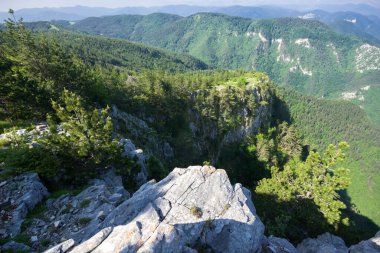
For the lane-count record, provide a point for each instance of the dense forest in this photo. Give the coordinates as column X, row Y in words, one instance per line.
column 234, row 119
column 303, row 54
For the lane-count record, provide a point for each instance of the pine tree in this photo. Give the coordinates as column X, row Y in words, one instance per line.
column 315, row 181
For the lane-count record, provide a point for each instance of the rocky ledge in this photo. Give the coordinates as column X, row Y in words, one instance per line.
column 192, row 210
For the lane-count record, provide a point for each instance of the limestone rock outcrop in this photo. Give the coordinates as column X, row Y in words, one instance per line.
column 191, row 209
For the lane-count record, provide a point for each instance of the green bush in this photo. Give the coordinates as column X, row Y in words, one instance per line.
column 84, row 203
column 196, row 211
column 84, row 221
column 83, row 143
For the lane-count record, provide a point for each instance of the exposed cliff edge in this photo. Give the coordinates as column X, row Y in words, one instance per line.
column 192, row 210
column 195, row 207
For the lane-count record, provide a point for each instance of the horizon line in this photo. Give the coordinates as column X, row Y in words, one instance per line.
column 195, row 5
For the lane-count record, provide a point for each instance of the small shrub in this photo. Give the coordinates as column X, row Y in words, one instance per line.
column 225, row 208
column 45, row 242
column 84, row 203
column 196, row 211
column 84, row 221
column 37, row 211
column 22, row 238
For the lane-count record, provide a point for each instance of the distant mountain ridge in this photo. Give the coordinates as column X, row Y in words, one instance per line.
column 301, row 53
column 366, row 25
column 75, row 13
column 80, row 12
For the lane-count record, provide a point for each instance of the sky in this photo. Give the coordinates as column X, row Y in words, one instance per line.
column 19, row 4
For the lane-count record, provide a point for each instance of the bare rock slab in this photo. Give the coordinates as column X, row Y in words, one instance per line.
column 192, row 209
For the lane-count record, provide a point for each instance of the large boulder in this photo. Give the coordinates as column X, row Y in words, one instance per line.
column 18, row 196
column 370, row 246
column 191, row 209
column 325, row 243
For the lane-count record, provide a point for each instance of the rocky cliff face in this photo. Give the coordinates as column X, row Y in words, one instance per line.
column 213, row 118
column 192, row 210
column 227, row 114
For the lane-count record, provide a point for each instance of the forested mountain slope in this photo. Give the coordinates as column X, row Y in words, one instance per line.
column 116, row 52
column 304, row 54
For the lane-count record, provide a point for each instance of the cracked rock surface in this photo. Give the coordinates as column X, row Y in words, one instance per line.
column 18, row 196
column 193, row 209
column 71, row 216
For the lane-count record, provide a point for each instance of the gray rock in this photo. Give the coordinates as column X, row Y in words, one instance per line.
column 168, row 151
column 189, row 250
column 325, row 243
column 278, row 245
column 92, row 243
column 18, row 196
column 370, row 246
column 62, row 247
column 138, row 154
column 69, row 216
column 191, row 207
column 3, row 183
column 57, row 223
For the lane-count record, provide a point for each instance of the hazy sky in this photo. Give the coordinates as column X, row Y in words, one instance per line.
column 18, row 4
